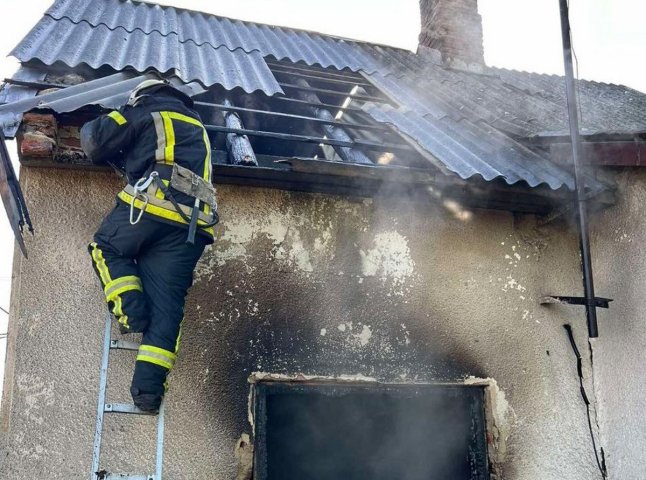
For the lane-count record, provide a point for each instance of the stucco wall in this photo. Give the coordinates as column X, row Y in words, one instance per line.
column 296, row 283
column 620, row 352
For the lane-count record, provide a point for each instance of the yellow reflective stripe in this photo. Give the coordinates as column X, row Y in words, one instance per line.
column 117, row 117
column 169, row 150
column 207, row 145
column 153, row 359
column 207, row 165
column 117, row 310
column 122, row 284
column 152, row 349
column 159, row 192
column 166, row 138
column 205, row 136
column 161, row 136
column 207, row 160
column 99, row 261
column 179, row 336
column 161, row 212
column 156, row 355
column 121, row 290
column 183, row 118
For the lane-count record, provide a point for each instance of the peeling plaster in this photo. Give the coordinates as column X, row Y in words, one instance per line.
column 500, row 418
column 243, row 453
column 285, row 229
column 364, row 336
column 389, row 260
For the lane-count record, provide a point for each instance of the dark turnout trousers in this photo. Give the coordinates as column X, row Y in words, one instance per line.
column 146, row 270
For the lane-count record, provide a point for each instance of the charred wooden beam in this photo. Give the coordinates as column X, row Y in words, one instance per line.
column 384, row 147
column 291, row 116
column 322, row 78
column 336, row 93
column 347, row 153
column 319, row 104
column 318, row 71
column 39, row 85
column 238, row 145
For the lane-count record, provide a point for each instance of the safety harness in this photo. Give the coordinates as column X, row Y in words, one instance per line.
column 152, row 192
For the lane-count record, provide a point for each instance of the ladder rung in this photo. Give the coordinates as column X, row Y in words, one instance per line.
column 125, row 476
column 124, row 408
column 123, row 345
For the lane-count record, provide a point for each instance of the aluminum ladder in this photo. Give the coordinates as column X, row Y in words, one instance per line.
column 120, row 408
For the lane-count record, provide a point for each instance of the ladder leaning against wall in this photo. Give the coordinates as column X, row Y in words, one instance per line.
column 120, row 408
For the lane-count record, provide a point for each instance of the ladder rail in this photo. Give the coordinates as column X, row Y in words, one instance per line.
column 159, row 456
column 103, row 381
column 123, row 408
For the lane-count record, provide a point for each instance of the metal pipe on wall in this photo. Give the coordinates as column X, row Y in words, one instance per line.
column 579, row 177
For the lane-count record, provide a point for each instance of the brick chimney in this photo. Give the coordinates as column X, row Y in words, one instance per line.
column 454, row 28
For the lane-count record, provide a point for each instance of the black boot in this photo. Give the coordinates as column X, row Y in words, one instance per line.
column 148, row 387
column 148, row 402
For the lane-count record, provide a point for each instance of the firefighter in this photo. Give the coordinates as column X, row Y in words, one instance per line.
column 144, row 252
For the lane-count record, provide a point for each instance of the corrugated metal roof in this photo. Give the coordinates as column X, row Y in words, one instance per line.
column 605, row 108
column 467, row 112
column 200, row 28
column 163, row 37
column 469, row 149
column 52, row 41
column 519, row 103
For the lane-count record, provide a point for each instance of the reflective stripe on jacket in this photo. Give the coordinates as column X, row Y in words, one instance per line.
column 160, row 129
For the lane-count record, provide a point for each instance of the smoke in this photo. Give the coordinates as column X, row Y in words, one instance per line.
column 376, row 433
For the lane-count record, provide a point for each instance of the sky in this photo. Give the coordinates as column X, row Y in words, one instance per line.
column 608, row 36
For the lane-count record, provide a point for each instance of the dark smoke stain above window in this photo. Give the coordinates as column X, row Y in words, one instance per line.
column 331, row 432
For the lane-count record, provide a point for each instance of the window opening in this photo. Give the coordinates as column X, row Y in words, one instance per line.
column 380, row 432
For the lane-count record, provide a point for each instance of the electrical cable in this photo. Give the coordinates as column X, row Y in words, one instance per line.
column 5, row 311
column 601, row 463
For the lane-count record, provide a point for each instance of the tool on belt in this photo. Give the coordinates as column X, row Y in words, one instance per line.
column 183, row 180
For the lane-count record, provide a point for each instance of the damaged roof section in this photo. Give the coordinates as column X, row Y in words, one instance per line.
column 472, row 123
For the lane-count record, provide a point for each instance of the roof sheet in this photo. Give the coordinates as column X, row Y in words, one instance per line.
column 168, row 26
column 470, row 149
column 73, row 44
column 108, row 92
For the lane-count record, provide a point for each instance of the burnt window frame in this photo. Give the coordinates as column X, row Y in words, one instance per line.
column 261, row 389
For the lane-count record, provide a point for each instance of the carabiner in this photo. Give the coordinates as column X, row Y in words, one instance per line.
column 142, row 184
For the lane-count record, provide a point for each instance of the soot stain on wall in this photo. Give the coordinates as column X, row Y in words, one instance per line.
column 255, row 308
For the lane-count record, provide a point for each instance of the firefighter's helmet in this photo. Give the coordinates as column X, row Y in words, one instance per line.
column 150, row 87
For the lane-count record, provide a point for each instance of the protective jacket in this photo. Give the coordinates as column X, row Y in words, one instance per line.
column 158, row 132
column 146, row 267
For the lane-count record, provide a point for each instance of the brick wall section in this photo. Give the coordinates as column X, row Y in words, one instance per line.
column 42, row 140
column 453, row 27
